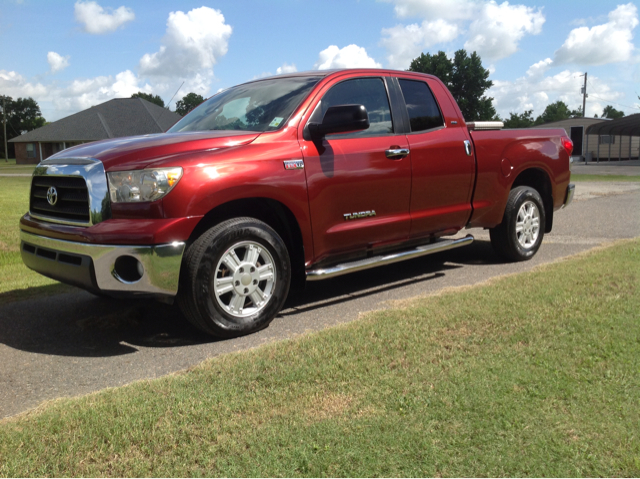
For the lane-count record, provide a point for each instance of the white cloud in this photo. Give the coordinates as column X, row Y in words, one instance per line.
column 15, row 85
column 495, row 33
column 82, row 94
column 351, row 56
column 59, row 101
column 436, row 9
column 96, row 20
column 286, row 68
column 404, row 43
column 192, row 45
column 607, row 43
column 535, row 91
column 57, row 62
column 494, row 30
column 537, row 70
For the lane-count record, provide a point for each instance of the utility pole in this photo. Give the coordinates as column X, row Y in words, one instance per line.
column 4, row 121
column 584, row 95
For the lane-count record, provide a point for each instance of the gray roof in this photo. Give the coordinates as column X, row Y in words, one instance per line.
column 111, row 119
column 625, row 126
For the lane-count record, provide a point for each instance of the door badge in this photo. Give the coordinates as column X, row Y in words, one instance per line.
column 293, row 164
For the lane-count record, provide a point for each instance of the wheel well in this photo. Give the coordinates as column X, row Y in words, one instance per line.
column 539, row 180
column 272, row 212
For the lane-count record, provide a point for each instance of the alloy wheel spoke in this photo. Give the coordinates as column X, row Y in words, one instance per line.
column 257, row 297
column 237, row 302
column 265, row 272
column 232, row 261
column 223, row 285
column 252, row 255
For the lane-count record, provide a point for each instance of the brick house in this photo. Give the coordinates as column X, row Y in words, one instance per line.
column 112, row 119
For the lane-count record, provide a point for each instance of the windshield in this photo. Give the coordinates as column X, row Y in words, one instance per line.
column 258, row 106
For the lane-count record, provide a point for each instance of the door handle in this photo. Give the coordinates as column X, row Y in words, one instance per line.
column 396, row 153
column 467, row 147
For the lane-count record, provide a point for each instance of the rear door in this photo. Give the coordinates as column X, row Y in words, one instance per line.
column 358, row 197
column 442, row 161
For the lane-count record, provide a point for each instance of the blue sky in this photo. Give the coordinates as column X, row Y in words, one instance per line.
column 71, row 55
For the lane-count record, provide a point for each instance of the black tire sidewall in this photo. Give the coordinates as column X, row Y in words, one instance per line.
column 520, row 197
column 222, row 322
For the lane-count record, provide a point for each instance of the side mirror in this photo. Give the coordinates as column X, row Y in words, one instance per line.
column 340, row 119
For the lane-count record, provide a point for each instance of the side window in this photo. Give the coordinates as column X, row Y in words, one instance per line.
column 424, row 113
column 371, row 93
column 31, row 150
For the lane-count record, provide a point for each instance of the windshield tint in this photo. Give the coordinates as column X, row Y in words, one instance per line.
column 259, row 106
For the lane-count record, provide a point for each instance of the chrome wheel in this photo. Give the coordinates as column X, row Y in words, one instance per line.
column 244, row 280
column 528, row 224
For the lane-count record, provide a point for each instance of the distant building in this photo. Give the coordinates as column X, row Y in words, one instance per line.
column 621, row 144
column 112, row 119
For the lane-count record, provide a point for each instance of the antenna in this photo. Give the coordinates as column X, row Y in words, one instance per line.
column 167, row 107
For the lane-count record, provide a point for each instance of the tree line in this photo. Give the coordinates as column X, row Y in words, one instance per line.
column 184, row 106
column 468, row 82
column 22, row 115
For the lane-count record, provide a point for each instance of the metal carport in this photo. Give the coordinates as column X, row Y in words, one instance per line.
column 626, row 126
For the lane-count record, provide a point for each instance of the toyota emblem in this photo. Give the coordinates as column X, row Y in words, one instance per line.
column 52, row 195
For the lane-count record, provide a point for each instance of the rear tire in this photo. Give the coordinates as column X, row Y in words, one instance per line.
column 235, row 278
column 520, row 234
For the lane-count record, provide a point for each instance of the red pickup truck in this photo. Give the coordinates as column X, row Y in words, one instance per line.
column 285, row 179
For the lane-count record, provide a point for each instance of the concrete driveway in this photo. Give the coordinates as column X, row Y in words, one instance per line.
column 73, row 344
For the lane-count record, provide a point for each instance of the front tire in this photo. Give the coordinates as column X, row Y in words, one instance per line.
column 520, row 234
column 235, row 278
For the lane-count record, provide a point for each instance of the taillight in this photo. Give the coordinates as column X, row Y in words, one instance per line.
column 567, row 144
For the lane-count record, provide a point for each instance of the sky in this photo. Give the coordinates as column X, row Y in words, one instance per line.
column 71, row 55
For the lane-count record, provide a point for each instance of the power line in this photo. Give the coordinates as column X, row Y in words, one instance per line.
column 615, row 103
column 611, row 101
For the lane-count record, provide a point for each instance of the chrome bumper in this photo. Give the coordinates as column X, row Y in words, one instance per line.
column 110, row 269
column 568, row 197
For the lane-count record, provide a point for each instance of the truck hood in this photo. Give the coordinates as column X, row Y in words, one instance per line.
column 134, row 152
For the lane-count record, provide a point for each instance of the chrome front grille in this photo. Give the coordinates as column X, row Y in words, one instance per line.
column 71, row 198
column 71, row 191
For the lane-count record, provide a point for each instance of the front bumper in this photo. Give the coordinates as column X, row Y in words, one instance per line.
column 110, row 269
column 568, row 197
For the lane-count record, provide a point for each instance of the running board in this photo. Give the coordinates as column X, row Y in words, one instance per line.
column 360, row 265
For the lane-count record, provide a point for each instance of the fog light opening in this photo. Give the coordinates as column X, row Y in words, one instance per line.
column 128, row 269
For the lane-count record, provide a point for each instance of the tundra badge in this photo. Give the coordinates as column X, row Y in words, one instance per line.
column 361, row 214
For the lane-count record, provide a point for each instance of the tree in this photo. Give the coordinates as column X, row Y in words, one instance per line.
column 22, row 115
column 149, row 97
column 466, row 79
column 611, row 112
column 524, row 120
column 558, row 111
column 188, row 103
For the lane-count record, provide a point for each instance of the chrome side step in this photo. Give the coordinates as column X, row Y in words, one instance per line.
column 344, row 268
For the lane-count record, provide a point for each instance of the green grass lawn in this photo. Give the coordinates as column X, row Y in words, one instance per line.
column 535, row 374
column 16, row 280
column 10, row 167
column 604, row 178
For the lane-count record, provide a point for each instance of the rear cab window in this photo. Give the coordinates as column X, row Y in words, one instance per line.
column 422, row 107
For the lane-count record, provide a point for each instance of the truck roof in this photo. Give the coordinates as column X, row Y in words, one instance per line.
column 326, row 73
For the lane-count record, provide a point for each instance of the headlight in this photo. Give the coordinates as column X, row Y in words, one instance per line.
column 142, row 185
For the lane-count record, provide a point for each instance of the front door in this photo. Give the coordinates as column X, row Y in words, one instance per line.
column 358, row 197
